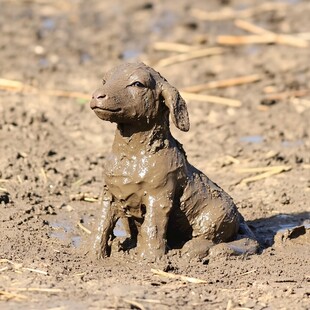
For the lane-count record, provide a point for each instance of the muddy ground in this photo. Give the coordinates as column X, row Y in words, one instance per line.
column 52, row 149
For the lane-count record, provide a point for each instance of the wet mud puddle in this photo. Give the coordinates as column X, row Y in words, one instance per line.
column 64, row 231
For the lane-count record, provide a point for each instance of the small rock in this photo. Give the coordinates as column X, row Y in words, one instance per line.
column 297, row 235
column 4, row 198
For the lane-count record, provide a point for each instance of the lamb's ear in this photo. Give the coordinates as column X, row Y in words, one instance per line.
column 176, row 105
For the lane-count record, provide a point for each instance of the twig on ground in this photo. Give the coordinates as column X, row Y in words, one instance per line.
column 286, row 39
column 91, row 199
column 15, row 85
column 12, row 85
column 212, row 99
column 44, row 176
column 79, row 224
column 266, row 173
column 19, row 266
column 151, row 301
column 260, row 39
column 3, row 269
column 84, row 197
column 244, row 40
column 303, row 35
column 261, row 169
column 36, row 289
column 250, row 27
column 35, row 270
column 229, row 13
column 19, row 179
column 4, row 295
column 287, row 94
column 174, row 47
column 135, row 304
column 248, row 272
column 178, row 277
column 190, row 56
column 15, row 265
column 223, row 83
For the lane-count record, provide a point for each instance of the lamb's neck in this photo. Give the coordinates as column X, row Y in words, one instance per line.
column 132, row 141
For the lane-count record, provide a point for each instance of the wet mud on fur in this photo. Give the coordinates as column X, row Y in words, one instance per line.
column 148, row 181
column 54, row 153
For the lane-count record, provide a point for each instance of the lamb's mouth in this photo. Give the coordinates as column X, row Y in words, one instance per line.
column 106, row 109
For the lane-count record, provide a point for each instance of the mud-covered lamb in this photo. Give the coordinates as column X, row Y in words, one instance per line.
column 149, row 183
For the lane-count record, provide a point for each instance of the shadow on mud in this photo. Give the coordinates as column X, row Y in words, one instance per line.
column 265, row 229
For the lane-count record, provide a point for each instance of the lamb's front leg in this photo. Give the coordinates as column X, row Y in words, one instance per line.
column 106, row 225
column 152, row 240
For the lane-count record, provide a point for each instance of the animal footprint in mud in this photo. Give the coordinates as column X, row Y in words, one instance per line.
column 163, row 201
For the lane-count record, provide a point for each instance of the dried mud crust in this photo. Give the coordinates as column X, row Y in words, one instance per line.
column 52, row 150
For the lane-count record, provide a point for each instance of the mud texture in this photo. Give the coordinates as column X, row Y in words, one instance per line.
column 53, row 150
column 148, row 180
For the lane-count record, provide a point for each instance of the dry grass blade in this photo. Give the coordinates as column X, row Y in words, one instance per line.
column 4, row 295
column 14, row 85
column 44, row 176
column 79, row 224
column 173, row 47
column 178, row 277
column 83, row 196
column 291, row 40
column 248, row 26
column 91, row 199
column 244, row 40
column 212, row 99
column 248, row 272
column 35, row 270
column 135, row 304
column 152, row 301
column 229, row 13
column 36, row 289
column 241, row 80
column 262, row 169
column 287, row 94
column 15, row 265
column 3, row 189
column 3, row 269
column 190, row 55
column 268, row 173
column 303, row 35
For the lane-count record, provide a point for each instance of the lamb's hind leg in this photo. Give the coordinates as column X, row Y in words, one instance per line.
column 219, row 228
column 217, row 221
column 244, row 243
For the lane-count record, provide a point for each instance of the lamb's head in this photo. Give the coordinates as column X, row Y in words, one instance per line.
column 134, row 93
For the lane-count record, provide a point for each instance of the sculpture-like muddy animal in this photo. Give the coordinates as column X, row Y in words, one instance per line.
column 148, row 181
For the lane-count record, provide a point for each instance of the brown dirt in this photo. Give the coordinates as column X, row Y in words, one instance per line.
column 53, row 148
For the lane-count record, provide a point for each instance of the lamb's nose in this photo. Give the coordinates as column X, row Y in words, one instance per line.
column 98, row 96
column 101, row 96
column 98, row 99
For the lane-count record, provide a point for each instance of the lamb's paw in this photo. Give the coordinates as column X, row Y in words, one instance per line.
column 151, row 254
column 237, row 247
column 196, row 248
